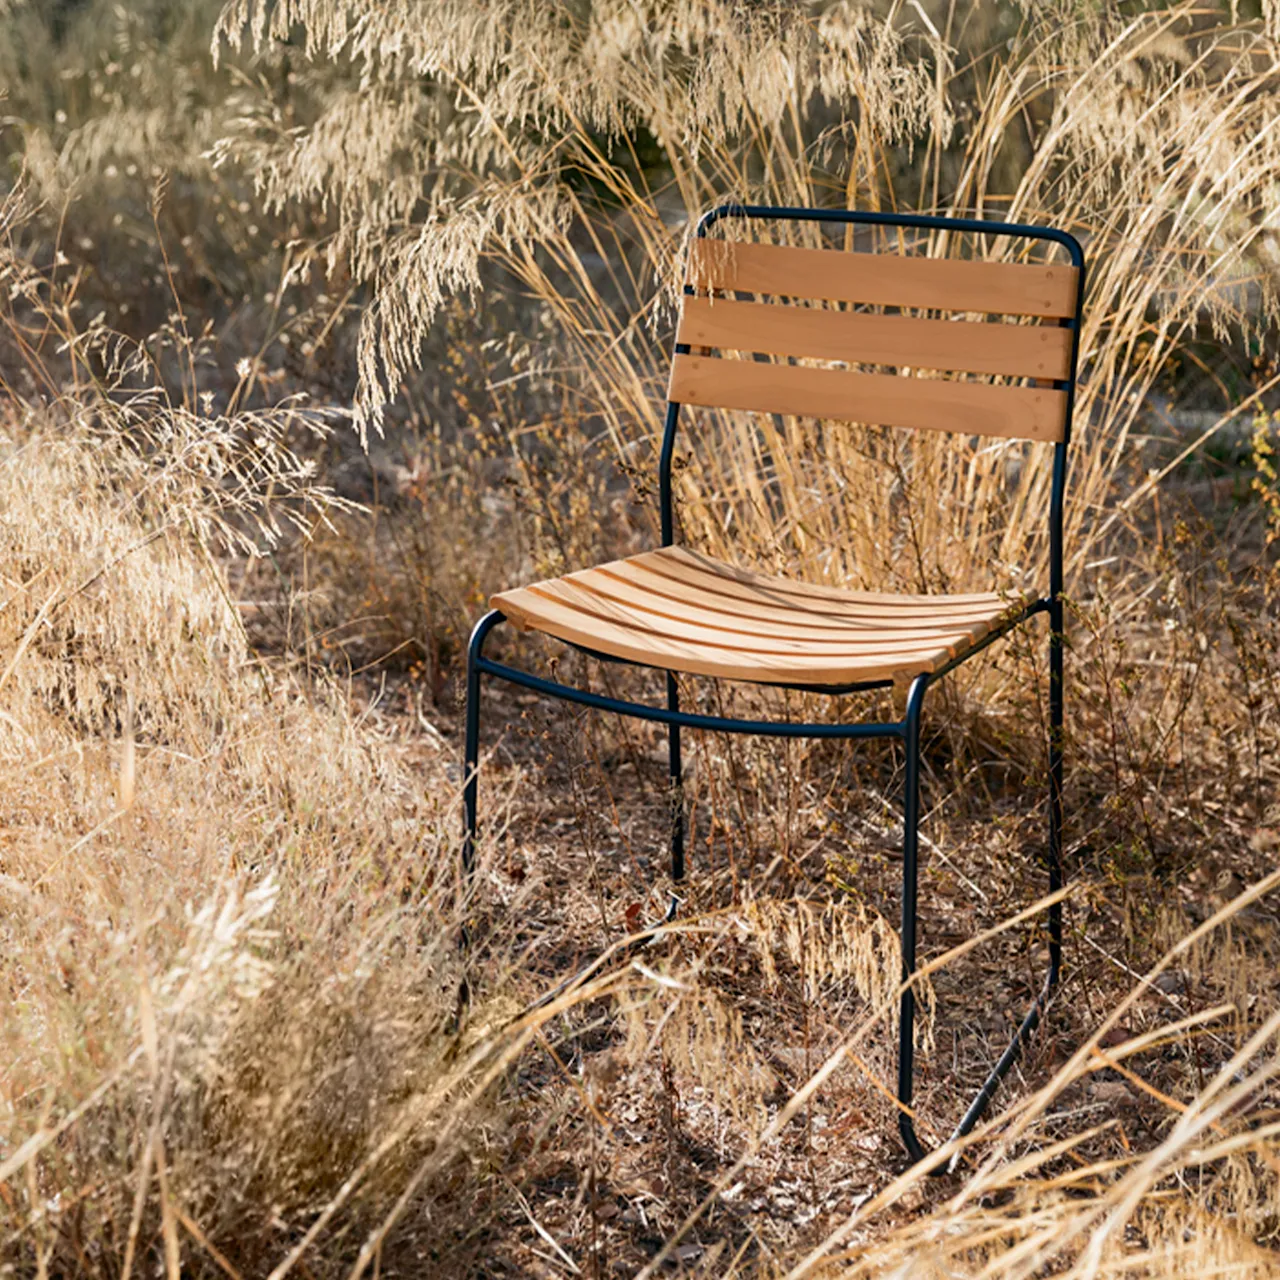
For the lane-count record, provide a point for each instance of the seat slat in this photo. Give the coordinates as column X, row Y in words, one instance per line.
column 1016, row 350
column 888, row 279
column 721, row 570
column 930, row 404
column 739, row 606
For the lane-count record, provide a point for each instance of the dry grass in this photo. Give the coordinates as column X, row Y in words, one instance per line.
column 761, row 105
column 229, row 642
column 186, row 996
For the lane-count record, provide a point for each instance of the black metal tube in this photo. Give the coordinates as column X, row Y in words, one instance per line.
column 666, row 510
column 910, row 877
column 918, row 221
column 676, row 775
column 471, row 745
column 717, row 724
column 1056, row 732
column 1057, row 501
column 674, row 767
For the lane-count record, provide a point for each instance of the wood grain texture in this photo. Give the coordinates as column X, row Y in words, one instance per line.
column 1016, row 350
column 887, row 279
column 681, row 611
column 930, row 404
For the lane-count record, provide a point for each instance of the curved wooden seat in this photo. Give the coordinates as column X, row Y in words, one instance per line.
column 679, row 610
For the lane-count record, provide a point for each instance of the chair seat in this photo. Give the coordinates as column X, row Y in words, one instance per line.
column 679, row 610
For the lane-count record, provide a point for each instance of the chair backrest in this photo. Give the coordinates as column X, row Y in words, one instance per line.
column 1044, row 353
column 956, row 337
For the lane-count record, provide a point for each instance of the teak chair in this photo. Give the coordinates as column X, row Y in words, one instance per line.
column 679, row 611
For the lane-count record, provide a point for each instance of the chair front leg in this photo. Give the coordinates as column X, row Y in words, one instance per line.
column 910, row 848
column 910, row 862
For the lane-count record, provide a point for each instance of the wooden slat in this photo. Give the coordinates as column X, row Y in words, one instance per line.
column 720, row 569
column 887, row 279
column 1017, row 350
column 641, row 589
column 933, row 404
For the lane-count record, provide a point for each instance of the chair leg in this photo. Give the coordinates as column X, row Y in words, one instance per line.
column 910, row 846
column 1056, row 729
column 471, row 749
column 910, row 860
column 1054, row 861
column 676, row 775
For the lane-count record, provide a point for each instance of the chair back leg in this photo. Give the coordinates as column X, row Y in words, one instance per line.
column 1056, row 729
column 676, row 775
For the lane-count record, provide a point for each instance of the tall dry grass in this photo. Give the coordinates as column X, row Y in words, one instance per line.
column 1075, row 116
column 229, row 964
column 508, row 131
column 228, row 867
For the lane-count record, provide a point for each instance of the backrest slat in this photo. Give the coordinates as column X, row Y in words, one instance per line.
column 884, row 279
column 934, row 404
column 1015, row 350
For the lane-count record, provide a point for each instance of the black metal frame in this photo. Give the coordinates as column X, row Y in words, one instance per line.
column 907, row 730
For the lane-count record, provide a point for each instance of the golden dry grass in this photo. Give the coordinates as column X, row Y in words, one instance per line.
column 233, row 1040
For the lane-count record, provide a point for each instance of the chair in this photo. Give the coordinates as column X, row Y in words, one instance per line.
column 680, row 611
